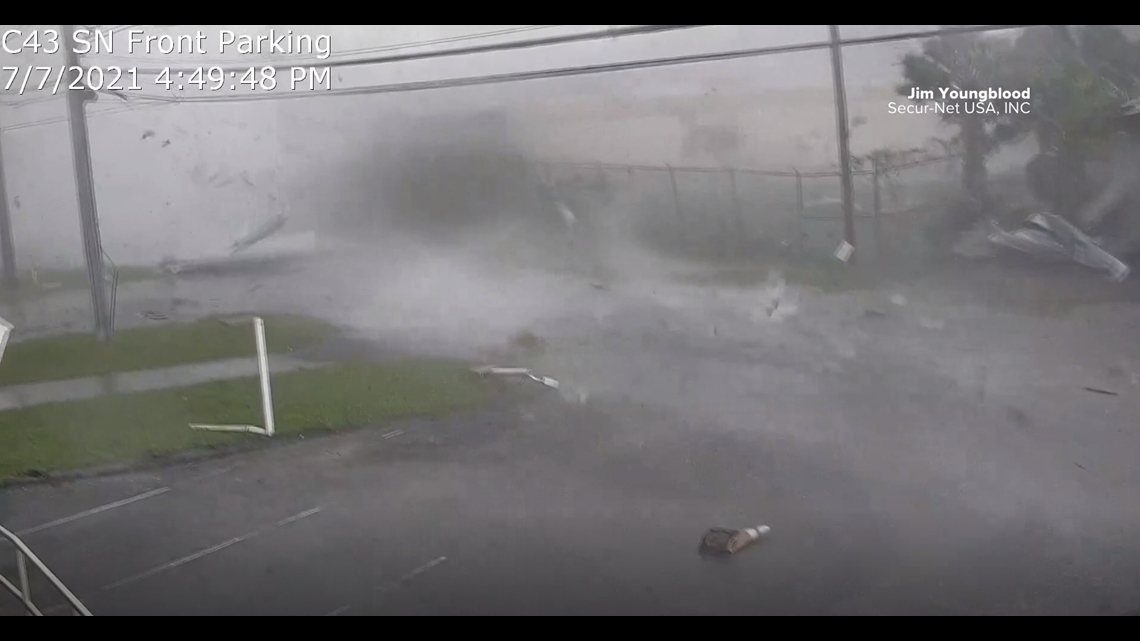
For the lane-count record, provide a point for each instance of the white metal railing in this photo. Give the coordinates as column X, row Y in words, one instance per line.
column 24, row 591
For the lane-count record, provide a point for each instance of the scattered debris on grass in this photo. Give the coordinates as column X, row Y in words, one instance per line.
column 725, row 542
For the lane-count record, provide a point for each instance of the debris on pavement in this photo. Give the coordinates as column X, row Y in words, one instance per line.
column 725, row 542
column 1097, row 390
column 492, row 370
column 845, row 251
column 571, row 394
column 154, row 316
column 1044, row 236
column 780, row 304
column 567, row 216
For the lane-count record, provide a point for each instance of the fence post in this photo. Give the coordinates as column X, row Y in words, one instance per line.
column 738, row 207
column 878, row 206
column 799, row 209
column 676, row 196
column 676, row 201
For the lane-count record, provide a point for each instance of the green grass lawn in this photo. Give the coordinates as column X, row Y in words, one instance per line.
column 136, row 427
column 78, row 355
column 47, row 282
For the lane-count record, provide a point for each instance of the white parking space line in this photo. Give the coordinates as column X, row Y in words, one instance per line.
column 123, row 503
column 196, row 556
column 395, row 585
column 208, row 551
column 92, row 512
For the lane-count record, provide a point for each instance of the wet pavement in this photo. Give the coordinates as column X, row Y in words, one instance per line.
column 537, row 507
column 934, row 459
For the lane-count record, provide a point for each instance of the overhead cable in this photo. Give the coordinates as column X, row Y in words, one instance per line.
column 582, row 70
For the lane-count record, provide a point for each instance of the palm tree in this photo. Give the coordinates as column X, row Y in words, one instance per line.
column 965, row 62
column 1080, row 76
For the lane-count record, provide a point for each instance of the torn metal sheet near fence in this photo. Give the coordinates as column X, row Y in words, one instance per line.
column 1051, row 237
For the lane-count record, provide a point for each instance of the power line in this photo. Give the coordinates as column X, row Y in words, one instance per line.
column 102, row 112
column 554, row 73
column 461, row 51
column 583, row 70
column 367, row 50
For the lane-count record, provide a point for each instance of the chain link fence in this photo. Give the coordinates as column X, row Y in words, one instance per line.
column 733, row 211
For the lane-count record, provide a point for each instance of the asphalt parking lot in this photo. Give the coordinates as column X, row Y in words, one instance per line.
column 904, row 466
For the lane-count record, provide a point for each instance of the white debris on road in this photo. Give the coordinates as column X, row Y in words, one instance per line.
column 845, row 251
column 574, row 394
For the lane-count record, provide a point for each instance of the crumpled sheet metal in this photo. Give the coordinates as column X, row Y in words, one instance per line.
column 1051, row 237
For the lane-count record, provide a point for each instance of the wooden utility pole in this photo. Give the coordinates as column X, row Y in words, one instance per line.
column 7, row 245
column 843, row 136
column 85, row 191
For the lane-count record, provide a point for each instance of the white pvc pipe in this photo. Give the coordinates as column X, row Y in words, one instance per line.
column 22, row 549
column 5, row 333
column 266, row 392
column 263, row 374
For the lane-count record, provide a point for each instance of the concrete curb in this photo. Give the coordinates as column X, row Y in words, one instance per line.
column 171, row 460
